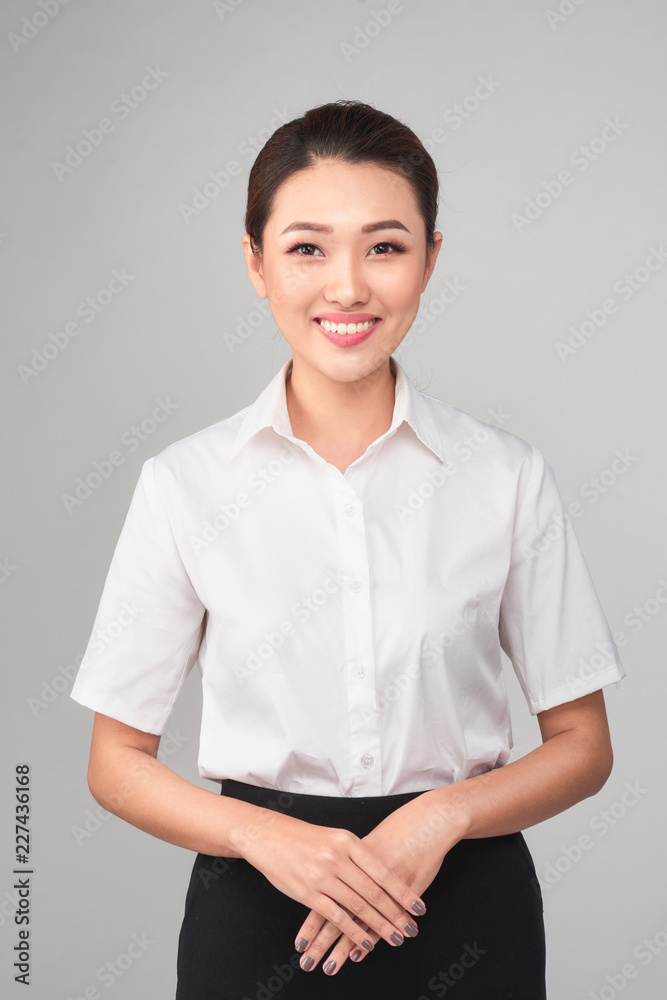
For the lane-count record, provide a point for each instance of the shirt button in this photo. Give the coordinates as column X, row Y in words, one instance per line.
column 368, row 761
column 356, row 586
column 349, row 509
column 359, row 670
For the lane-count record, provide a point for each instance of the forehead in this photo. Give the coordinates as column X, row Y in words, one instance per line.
column 335, row 190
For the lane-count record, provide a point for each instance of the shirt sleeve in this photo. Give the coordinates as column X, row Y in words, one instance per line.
column 147, row 631
column 551, row 623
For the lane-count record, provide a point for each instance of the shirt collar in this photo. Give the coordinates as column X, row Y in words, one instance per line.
column 410, row 405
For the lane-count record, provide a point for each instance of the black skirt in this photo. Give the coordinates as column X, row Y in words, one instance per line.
column 481, row 938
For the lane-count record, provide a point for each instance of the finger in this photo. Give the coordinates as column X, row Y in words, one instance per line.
column 351, row 891
column 346, row 906
column 338, row 921
column 345, row 948
column 309, row 930
column 385, row 877
column 357, row 954
column 318, row 947
column 369, row 902
column 332, row 962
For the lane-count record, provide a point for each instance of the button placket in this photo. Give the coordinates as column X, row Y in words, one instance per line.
column 364, row 732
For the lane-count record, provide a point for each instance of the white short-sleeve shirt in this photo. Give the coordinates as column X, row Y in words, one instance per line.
column 347, row 627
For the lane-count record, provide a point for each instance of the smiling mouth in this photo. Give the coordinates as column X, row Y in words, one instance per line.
column 346, row 328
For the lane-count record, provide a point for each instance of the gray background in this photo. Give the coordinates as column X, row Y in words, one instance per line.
column 170, row 335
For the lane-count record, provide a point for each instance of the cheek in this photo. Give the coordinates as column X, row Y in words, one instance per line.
column 292, row 285
column 403, row 281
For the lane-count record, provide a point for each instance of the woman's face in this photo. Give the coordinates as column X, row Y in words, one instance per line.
column 318, row 262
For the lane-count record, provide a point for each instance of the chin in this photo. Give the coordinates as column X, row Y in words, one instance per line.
column 351, row 368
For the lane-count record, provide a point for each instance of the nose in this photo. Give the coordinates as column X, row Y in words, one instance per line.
column 346, row 283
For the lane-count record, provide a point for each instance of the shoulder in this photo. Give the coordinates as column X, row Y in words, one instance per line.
column 199, row 458
column 465, row 437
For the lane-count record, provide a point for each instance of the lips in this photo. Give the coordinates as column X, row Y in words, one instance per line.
column 348, row 334
column 341, row 317
column 346, row 327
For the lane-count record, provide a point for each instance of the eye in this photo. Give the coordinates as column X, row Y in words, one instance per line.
column 307, row 247
column 397, row 247
column 299, row 246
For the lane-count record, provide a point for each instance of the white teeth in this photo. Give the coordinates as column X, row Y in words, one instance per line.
column 345, row 328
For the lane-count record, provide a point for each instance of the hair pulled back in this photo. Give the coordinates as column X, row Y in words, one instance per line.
column 344, row 130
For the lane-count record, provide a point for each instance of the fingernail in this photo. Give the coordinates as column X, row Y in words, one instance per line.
column 397, row 938
column 411, row 929
column 368, row 945
column 301, row 944
column 329, row 967
column 356, row 955
column 307, row 963
column 419, row 908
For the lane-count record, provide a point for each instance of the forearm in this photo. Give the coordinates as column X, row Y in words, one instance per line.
column 141, row 790
column 561, row 772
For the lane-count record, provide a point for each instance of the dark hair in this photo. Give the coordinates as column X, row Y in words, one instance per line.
column 344, row 130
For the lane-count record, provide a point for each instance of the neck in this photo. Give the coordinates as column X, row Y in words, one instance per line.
column 324, row 410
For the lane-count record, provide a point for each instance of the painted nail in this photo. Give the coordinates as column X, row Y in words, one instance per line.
column 301, row 944
column 356, row 955
column 411, row 929
column 308, row 963
column 397, row 938
column 419, row 908
column 368, row 945
column 329, row 967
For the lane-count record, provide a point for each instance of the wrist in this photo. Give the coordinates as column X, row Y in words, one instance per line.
column 252, row 826
column 448, row 814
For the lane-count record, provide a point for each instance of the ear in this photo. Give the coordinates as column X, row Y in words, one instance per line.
column 254, row 265
column 431, row 258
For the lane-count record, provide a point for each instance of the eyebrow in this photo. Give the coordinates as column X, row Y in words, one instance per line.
column 370, row 227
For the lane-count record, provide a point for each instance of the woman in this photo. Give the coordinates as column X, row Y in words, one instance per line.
column 345, row 559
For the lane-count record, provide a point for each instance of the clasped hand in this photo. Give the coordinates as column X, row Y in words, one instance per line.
column 359, row 889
